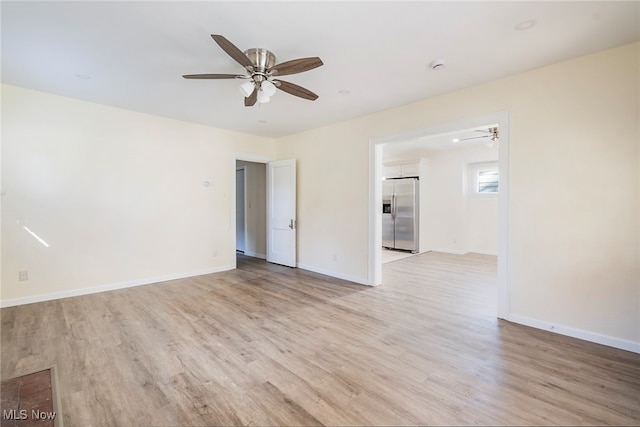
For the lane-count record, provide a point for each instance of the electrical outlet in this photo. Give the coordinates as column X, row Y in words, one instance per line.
column 335, row 257
column 23, row 275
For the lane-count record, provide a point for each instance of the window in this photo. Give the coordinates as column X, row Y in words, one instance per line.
column 484, row 179
column 487, row 181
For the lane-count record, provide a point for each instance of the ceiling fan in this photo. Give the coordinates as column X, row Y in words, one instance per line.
column 261, row 68
column 492, row 133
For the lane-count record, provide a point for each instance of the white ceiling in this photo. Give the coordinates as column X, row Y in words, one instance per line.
column 425, row 145
column 132, row 54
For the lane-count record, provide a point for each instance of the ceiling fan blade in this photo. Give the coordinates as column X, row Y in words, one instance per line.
column 213, row 76
column 475, row 137
column 250, row 100
column 295, row 90
column 296, row 66
column 232, row 51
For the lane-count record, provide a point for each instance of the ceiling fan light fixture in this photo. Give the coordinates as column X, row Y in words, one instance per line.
column 246, row 88
column 494, row 137
column 268, row 88
column 263, row 97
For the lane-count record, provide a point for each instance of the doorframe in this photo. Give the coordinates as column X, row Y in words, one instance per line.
column 375, row 196
column 244, row 202
column 246, row 157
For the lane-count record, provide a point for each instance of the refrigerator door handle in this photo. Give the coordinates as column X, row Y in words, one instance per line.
column 393, row 206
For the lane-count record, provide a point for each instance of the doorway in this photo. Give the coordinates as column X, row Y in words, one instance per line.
column 376, row 158
column 251, row 209
column 241, row 218
column 269, row 209
column 456, row 192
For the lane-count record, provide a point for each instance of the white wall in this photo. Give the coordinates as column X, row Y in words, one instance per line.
column 118, row 195
column 574, row 236
column 256, row 208
column 455, row 220
column 482, row 225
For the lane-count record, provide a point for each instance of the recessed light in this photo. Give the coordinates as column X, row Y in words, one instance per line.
column 262, row 121
column 455, row 140
column 525, row 25
column 344, row 92
column 82, row 76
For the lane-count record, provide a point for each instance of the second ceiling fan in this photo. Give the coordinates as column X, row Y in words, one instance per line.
column 261, row 68
column 492, row 133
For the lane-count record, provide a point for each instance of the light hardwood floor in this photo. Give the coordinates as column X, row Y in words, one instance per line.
column 266, row 345
column 389, row 255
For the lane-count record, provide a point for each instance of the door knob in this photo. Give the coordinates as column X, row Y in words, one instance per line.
column 291, row 225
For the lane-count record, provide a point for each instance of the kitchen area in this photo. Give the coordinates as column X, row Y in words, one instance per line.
column 440, row 194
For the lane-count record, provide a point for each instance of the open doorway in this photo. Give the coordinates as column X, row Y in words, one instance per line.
column 265, row 208
column 449, row 238
column 241, row 201
column 251, row 209
column 454, row 208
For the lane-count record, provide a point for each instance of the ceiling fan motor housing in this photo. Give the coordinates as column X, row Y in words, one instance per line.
column 262, row 59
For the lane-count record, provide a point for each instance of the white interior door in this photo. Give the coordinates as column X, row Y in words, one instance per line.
column 281, row 212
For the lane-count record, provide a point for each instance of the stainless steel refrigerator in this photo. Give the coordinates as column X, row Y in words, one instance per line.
column 400, row 204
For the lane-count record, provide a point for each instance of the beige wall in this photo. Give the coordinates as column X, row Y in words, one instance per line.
column 333, row 190
column 119, row 196
column 573, row 207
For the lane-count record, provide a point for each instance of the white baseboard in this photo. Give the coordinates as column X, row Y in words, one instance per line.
column 255, row 255
column 460, row 252
column 576, row 333
column 449, row 251
column 358, row 280
column 109, row 287
column 494, row 253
